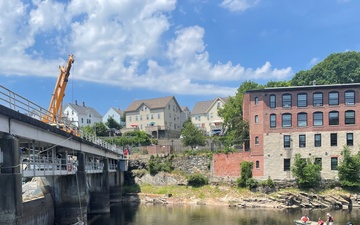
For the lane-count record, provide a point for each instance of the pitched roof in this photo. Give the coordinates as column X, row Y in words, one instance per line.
column 184, row 108
column 204, row 106
column 154, row 103
column 81, row 109
column 118, row 111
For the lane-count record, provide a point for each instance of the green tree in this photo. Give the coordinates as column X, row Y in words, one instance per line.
column 307, row 173
column 100, row 129
column 349, row 169
column 337, row 68
column 246, row 179
column 232, row 113
column 192, row 136
column 138, row 137
column 111, row 123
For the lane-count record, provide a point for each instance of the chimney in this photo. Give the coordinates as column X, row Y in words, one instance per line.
column 84, row 104
column 75, row 102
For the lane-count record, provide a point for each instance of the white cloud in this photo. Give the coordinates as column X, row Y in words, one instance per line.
column 120, row 43
column 238, row 5
column 313, row 61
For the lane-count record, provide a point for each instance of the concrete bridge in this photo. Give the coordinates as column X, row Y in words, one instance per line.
column 80, row 174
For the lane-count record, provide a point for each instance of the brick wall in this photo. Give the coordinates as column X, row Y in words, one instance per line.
column 228, row 165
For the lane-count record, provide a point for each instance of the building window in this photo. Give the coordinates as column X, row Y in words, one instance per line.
column 318, row 161
column 130, row 118
column 272, row 120
column 286, row 164
column 286, row 120
column 256, row 119
column 302, row 119
column 272, row 101
column 286, row 100
column 318, row 118
column 286, row 141
column 136, row 118
column 140, row 117
column 257, row 164
column 256, row 101
column 317, row 138
column 334, row 98
column 334, row 118
column 349, row 97
column 256, row 140
column 158, row 115
column 333, row 139
column 218, row 104
column 152, row 116
column 302, row 141
column 349, row 139
column 334, row 163
column 302, row 100
column 350, row 117
column 318, row 99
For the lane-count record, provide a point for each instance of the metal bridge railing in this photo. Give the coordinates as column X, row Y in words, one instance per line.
column 18, row 103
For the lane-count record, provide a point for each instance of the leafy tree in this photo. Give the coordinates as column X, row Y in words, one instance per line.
column 111, row 123
column 236, row 128
column 307, row 173
column 100, row 129
column 277, row 84
column 337, row 68
column 349, row 169
column 88, row 130
column 192, row 136
column 139, row 137
column 123, row 117
column 245, row 179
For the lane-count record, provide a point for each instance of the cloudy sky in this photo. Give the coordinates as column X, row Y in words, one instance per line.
column 195, row 50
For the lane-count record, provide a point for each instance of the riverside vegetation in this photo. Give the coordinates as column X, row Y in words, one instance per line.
column 155, row 179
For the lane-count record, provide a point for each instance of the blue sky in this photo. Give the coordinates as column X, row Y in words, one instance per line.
column 195, row 50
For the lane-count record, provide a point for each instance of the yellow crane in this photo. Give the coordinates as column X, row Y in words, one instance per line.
column 55, row 108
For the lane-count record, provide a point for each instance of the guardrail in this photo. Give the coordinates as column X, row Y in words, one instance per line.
column 22, row 105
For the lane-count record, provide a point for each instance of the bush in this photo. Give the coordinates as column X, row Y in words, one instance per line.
column 156, row 165
column 267, row 183
column 197, row 180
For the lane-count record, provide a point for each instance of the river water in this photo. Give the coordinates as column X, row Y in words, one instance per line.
column 141, row 214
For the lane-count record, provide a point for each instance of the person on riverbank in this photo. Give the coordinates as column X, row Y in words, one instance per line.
column 305, row 218
column 330, row 219
column 320, row 221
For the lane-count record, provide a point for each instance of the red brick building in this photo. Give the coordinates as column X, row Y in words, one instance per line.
column 315, row 121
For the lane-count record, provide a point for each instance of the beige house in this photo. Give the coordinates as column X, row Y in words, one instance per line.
column 159, row 117
column 205, row 115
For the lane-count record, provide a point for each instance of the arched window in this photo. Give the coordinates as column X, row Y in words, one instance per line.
column 302, row 119
column 334, row 118
column 350, row 117
column 286, row 100
column 272, row 120
column 349, row 97
column 286, row 120
column 272, row 101
column 334, row 98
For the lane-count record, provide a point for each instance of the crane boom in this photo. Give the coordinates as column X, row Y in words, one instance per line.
column 55, row 107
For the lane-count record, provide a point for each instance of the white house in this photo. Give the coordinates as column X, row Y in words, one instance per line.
column 82, row 115
column 115, row 113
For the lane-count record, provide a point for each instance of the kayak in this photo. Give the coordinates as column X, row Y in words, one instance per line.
column 300, row 222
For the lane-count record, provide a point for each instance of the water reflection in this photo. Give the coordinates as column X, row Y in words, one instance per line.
column 211, row 215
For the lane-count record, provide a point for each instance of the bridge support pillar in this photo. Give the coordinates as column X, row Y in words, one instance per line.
column 116, row 183
column 71, row 196
column 100, row 195
column 11, row 182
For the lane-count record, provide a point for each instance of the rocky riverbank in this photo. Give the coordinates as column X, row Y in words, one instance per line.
column 171, row 188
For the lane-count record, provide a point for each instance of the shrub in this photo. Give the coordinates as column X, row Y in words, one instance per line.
column 156, row 165
column 267, row 183
column 197, row 180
